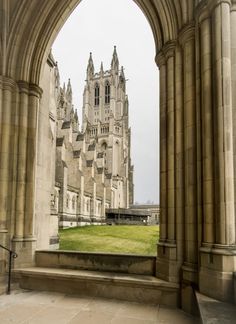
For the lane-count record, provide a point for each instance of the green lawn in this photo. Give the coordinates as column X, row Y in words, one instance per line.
column 116, row 239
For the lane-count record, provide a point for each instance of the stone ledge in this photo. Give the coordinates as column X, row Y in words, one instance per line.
column 215, row 311
column 138, row 288
column 122, row 263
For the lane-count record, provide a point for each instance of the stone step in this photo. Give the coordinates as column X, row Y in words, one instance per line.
column 123, row 263
column 215, row 311
column 130, row 287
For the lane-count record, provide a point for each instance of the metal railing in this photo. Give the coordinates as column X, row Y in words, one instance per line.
column 12, row 254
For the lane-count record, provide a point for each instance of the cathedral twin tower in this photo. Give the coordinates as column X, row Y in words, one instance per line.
column 93, row 165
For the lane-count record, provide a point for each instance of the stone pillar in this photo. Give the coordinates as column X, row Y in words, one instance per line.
column 179, row 151
column 24, row 241
column 21, row 163
column 233, row 80
column 218, row 262
column 189, row 268
column 167, row 252
column 170, row 131
column 208, row 235
column 161, row 62
column 8, row 91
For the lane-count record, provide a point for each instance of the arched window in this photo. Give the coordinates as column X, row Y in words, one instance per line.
column 96, row 95
column 73, row 203
column 107, row 93
column 67, row 201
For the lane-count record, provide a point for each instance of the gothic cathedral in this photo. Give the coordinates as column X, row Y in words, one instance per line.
column 93, row 164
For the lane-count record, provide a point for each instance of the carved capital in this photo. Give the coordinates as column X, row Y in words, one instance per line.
column 30, row 89
column 35, row 90
column 212, row 4
column 160, row 59
column 187, row 34
column 169, row 49
column 7, row 84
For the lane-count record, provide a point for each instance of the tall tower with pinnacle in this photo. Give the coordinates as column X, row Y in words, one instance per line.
column 93, row 165
column 106, row 121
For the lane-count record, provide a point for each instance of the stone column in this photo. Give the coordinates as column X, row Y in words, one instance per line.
column 7, row 104
column 179, row 151
column 34, row 96
column 167, row 260
column 187, row 40
column 170, row 132
column 218, row 262
column 225, row 229
column 21, row 163
column 207, row 133
column 161, row 62
column 24, row 241
column 233, row 80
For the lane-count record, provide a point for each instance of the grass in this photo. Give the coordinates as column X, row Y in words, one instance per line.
column 114, row 239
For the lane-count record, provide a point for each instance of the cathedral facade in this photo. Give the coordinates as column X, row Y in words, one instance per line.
column 93, row 163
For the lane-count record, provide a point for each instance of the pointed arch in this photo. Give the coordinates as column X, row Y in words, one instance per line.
column 96, row 94
column 107, row 92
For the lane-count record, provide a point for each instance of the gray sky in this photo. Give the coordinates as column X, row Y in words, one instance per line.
column 96, row 26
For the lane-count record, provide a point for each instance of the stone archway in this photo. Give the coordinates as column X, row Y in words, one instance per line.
column 196, row 55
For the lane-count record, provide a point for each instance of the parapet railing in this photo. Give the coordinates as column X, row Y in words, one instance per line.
column 12, row 254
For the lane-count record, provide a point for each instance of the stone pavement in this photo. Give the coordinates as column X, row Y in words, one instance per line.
column 33, row 307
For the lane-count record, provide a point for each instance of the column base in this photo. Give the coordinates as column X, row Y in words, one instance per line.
column 25, row 249
column 216, row 277
column 167, row 266
column 190, row 274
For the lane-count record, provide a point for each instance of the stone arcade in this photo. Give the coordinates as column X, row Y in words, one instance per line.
column 196, row 54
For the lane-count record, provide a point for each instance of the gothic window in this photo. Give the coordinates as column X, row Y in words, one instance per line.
column 88, row 205
column 107, row 93
column 73, row 203
column 67, row 201
column 96, row 95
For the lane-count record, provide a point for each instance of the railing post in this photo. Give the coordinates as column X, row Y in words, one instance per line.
column 12, row 254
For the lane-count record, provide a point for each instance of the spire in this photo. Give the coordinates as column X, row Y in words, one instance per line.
column 101, row 69
column 122, row 78
column 122, row 74
column 69, row 91
column 76, row 115
column 115, row 61
column 90, row 67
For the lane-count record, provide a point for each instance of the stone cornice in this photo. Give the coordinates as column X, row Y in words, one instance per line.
column 187, row 33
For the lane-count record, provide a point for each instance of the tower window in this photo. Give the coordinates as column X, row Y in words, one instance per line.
column 107, row 93
column 96, row 95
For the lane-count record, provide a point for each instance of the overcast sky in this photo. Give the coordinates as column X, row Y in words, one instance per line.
column 96, row 26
